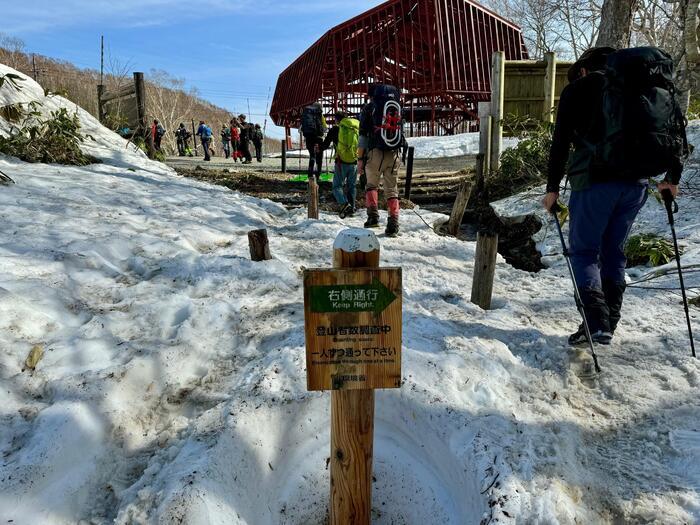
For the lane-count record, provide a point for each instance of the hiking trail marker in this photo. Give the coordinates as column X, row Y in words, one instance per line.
column 353, row 328
column 353, row 345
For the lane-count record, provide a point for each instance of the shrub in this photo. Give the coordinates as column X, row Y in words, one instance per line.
column 55, row 139
column 32, row 138
column 648, row 248
column 524, row 165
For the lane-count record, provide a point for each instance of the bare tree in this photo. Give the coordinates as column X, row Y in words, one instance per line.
column 616, row 23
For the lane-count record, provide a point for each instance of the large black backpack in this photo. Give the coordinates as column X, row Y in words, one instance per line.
column 311, row 120
column 387, row 118
column 643, row 125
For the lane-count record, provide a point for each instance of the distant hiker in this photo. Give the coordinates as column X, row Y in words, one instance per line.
column 313, row 127
column 226, row 140
column 182, row 136
column 621, row 115
column 204, row 133
column 344, row 135
column 381, row 139
column 157, row 132
column 235, row 140
column 246, row 137
column 258, row 138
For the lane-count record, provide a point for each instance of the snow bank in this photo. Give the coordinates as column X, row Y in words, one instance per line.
column 450, row 146
column 432, row 147
column 172, row 387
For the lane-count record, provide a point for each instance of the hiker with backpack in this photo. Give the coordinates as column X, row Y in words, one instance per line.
column 235, row 140
column 157, row 132
column 344, row 136
column 622, row 117
column 258, row 138
column 204, row 133
column 381, row 139
column 181, row 137
column 313, row 127
column 245, row 137
column 226, row 140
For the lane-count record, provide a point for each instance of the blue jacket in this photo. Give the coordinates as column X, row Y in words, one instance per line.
column 204, row 131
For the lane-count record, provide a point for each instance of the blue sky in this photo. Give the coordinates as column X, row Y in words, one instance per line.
column 231, row 50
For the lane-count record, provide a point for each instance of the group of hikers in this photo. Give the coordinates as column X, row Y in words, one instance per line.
column 370, row 146
column 619, row 124
column 236, row 137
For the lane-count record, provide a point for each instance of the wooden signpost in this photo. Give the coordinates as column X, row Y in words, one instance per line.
column 353, row 317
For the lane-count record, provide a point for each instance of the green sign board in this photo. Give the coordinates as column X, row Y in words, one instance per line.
column 339, row 298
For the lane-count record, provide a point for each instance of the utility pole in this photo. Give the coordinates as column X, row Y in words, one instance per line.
column 267, row 108
column 34, row 68
column 102, row 59
column 249, row 115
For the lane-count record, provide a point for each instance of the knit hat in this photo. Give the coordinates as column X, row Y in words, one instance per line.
column 593, row 59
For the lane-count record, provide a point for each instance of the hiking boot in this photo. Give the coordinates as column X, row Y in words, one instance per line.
column 392, row 227
column 346, row 210
column 372, row 221
column 600, row 337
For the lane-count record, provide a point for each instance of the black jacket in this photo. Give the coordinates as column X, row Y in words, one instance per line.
column 578, row 115
column 579, row 118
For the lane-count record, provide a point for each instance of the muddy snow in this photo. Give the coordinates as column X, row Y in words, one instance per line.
column 172, row 385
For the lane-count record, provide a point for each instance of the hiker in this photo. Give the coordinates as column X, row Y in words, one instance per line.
column 613, row 159
column 313, row 127
column 245, row 138
column 226, row 140
column 157, row 132
column 381, row 139
column 182, row 136
column 258, row 138
column 344, row 136
column 235, row 140
column 204, row 134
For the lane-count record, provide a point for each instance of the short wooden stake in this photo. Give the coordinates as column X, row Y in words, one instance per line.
column 284, row 155
column 460, row 206
column 313, row 198
column 409, row 173
column 352, row 411
column 258, row 244
column 484, row 269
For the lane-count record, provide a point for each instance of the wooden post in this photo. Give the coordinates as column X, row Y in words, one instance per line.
column 352, row 411
column 194, row 138
column 485, row 132
column 258, row 244
column 313, row 198
column 144, row 129
column 460, row 205
column 550, row 81
column 409, row 173
column 100, row 106
column 284, row 155
column 497, row 93
column 484, row 269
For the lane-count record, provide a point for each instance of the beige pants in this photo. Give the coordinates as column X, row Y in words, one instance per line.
column 383, row 164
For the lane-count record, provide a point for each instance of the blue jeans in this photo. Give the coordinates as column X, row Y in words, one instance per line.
column 342, row 175
column 601, row 220
column 205, row 145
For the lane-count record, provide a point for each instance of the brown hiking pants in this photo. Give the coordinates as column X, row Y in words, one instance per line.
column 383, row 164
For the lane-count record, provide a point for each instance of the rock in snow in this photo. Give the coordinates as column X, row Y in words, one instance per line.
column 172, row 385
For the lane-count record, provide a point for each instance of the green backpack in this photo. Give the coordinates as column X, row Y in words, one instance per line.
column 348, row 138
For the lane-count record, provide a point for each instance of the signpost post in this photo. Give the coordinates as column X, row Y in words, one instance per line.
column 353, row 345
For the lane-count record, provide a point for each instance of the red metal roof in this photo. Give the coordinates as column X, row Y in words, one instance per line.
column 438, row 52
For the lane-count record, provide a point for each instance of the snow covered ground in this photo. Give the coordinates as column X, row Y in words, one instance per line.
column 431, row 147
column 172, row 384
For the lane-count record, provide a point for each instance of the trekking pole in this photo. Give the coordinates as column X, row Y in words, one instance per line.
column 577, row 296
column 671, row 208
